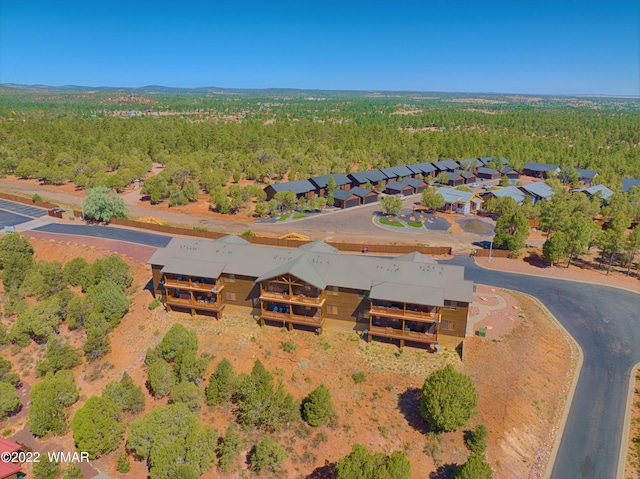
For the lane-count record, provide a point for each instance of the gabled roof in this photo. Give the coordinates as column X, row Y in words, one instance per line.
column 539, row 189
column 424, row 167
column 602, row 190
column 467, row 174
column 342, row 195
column 299, row 267
column 9, row 468
column 413, row 182
column 396, row 186
column 196, row 267
column 415, row 257
column 588, row 174
column 389, row 172
column 508, row 191
column 453, row 175
column 446, row 165
column 359, row 176
column 232, row 239
column 487, row 159
column 9, row 446
column 487, row 171
column 401, row 170
column 407, row 293
column 322, row 181
column 533, row 166
column 507, row 169
column 628, row 183
column 318, row 247
column 354, row 271
column 375, row 175
column 503, row 161
column 298, row 186
column 362, row 192
column 452, row 195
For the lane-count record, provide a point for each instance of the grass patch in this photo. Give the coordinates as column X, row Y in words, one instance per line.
column 415, row 224
column 299, row 215
column 385, row 221
column 284, row 217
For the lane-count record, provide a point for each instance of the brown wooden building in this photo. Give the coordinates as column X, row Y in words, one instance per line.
column 409, row 298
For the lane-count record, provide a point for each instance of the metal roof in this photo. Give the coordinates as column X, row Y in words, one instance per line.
column 299, row 267
column 589, row 174
column 407, row 293
column 232, row 239
column 374, row 176
column 199, row 267
column 396, row 186
column 298, row 186
column 451, row 195
column 540, row 189
column 507, row 169
column 359, row 176
column 342, row 195
column 402, row 170
column 323, row 181
column 628, row 183
column 362, row 192
column 424, row 167
column 413, row 182
column 487, row 171
column 416, row 257
column 446, row 165
column 508, row 192
column 531, row 165
column 355, row 271
column 318, row 247
column 467, row 174
column 389, row 172
column 604, row 192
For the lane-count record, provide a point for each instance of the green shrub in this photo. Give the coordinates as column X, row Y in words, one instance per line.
column 125, row 394
column 267, row 455
column 230, row 447
column 448, row 399
column 160, row 378
column 221, row 384
column 318, row 406
column 477, row 442
column 363, row 464
column 475, row 468
column 50, row 401
column 187, row 393
column 36, row 197
column 9, row 400
column 289, row 346
column 97, row 427
column 154, row 304
column 60, row 355
column 72, row 471
column 6, row 375
column 359, row 377
column 124, row 463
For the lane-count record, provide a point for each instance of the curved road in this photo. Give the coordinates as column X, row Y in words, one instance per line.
column 605, row 321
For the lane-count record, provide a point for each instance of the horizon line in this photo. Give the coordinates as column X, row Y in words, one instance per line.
column 367, row 90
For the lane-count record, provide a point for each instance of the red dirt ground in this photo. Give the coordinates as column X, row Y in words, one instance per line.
column 521, row 410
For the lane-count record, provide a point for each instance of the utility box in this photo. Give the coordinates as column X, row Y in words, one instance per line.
column 482, row 332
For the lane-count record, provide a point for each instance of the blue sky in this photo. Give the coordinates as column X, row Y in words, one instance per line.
column 531, row 47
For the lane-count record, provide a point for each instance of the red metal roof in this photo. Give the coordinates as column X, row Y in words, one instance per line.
column 8, row 446
column 8, row 468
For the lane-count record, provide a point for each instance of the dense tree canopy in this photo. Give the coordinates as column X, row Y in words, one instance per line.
column 97, row 427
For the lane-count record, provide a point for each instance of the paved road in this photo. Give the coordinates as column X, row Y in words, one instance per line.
column 605, row 322
column 108, row 232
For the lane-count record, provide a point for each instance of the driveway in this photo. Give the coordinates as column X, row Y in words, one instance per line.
column 605, row 322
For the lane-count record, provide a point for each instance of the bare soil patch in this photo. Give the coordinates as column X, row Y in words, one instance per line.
column 632, row 463
column 520, row 409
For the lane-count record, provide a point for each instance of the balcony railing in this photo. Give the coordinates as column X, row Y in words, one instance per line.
column 195, row 304
column 293, row 299
column 194, row 285
column 400, row 334
column 315, row 321
column 392, row 312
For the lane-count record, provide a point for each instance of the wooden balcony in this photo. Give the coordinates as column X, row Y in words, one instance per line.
column 301, row 299
column 188, row 284
column 404, row 335
column 399, row 313
column 315, row 321
column 216, row 306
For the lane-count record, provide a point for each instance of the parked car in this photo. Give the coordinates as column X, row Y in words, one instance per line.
column 402, row 197
column 474, row 185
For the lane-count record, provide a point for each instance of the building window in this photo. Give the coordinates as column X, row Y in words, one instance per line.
column 448, row 325
column 452, row 305
column 232, row 278
column 331, row 309
column 230, row 295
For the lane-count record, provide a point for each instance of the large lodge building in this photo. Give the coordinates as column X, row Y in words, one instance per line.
column 410, row 298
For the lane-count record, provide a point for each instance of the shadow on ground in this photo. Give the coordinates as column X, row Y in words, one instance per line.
column 409, row 406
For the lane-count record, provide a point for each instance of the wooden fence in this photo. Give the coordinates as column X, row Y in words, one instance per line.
column 285, row 243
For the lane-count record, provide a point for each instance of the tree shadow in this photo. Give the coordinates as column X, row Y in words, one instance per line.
column 537, row 261
column 328, row 471
column 409, row 406
column 446, row 471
